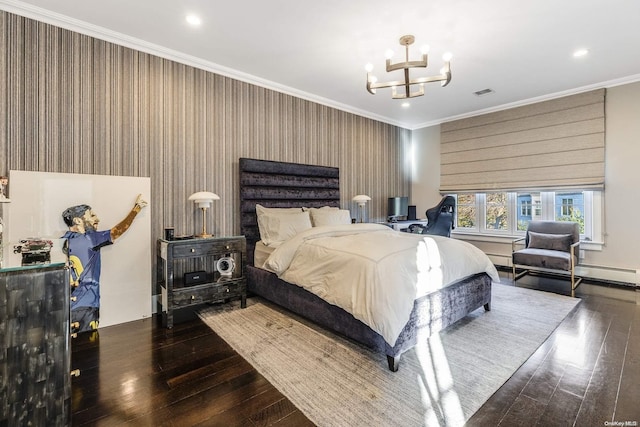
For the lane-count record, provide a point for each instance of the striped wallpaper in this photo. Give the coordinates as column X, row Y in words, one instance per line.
column 75, row 104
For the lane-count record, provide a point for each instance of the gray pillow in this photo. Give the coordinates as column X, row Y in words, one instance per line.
column 554, row 242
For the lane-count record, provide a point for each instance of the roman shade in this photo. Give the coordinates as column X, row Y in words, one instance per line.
column 556, row 144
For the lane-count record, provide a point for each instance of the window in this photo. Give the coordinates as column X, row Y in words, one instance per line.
column 566, row 207
column 510, row 212
column 570, row 207
column 537, row 211
column 497, row 211
column 525, row 209
column 530, row 209
column 466, row 216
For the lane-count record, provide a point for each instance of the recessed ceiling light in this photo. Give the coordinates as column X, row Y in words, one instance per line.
column 193, row 20
column 580, row 52
column 405, row 105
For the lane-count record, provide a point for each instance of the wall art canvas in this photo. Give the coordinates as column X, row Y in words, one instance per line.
column 121, row 285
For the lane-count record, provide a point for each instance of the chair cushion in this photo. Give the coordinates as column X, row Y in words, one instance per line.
column 554, row 242
column 543, row 258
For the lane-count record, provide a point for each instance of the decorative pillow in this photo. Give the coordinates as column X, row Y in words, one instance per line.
column 554, row 242
column 321, row 217
column 277, row 225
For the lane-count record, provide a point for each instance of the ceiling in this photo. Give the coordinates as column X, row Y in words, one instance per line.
column 317, row 50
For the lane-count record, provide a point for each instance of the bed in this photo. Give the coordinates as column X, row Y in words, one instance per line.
column 291, row 185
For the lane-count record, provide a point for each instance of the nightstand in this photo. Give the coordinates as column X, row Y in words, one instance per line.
column 200, row 270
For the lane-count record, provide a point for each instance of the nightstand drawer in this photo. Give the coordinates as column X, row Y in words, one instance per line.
column 194, row 249
column 211, row 292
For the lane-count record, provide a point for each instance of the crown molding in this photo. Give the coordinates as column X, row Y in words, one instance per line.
column 82, row 27
column 72, row 24
column 603, row 85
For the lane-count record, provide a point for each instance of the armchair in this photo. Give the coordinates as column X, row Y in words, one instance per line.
column 548, row 245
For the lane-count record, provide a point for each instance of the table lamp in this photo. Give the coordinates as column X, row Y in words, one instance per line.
column 203, row 200
column 361, row 200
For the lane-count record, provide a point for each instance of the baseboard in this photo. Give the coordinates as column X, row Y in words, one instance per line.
column 593, row 273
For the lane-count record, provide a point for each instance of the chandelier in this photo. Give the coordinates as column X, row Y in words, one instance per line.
column 405, row 92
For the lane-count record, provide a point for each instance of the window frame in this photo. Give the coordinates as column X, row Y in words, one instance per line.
column 593, row 214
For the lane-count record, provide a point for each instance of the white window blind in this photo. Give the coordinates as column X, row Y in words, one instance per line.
column 552, row 144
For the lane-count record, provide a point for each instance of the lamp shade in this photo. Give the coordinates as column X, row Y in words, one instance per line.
column 204, row 198
column 361, row 199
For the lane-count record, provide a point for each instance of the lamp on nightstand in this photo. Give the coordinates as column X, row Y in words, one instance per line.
column 203, row 200
column 361, row 200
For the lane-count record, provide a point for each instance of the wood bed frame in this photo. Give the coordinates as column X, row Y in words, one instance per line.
column 281, row 184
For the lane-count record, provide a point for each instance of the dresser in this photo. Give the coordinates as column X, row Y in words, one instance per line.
column 200, row 270
column 35, row 358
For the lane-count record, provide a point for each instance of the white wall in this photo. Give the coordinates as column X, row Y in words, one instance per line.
column 622, row 177
column 425, row 169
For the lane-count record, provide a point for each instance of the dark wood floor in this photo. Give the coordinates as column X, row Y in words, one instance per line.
column 586, row 373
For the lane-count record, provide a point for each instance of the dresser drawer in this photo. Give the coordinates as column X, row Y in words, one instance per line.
column 211, row 292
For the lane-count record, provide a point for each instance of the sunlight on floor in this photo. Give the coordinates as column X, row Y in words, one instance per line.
column 441, row 402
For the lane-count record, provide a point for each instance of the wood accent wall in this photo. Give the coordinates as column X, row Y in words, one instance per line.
column 75, row 104
column 553, row 144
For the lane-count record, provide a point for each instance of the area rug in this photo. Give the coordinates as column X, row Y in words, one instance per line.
column 441, row 382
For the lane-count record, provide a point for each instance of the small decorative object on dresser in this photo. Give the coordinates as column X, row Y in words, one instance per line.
column 226, row 265
column 214, row 258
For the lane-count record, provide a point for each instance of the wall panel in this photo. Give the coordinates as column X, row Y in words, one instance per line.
column 75, row 104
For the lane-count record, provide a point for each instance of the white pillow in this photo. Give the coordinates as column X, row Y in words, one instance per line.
column 261, row 210
column 324, row 207
column 276, row 225
column 321, row 217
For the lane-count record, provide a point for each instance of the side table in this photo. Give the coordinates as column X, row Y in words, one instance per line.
column 188, row 272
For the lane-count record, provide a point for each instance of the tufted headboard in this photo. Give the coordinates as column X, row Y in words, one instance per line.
column 282, row 185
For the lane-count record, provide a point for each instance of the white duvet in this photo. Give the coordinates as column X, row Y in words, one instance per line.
column 374, row 272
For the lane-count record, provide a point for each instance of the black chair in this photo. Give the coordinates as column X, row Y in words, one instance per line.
column 439, row 219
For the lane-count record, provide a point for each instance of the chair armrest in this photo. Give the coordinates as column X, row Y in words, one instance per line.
column 575, row 250
column 516, row 242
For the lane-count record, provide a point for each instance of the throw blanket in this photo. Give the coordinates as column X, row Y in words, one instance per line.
column 374, row 272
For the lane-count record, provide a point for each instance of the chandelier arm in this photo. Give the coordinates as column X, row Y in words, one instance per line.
column 407, row 95
column 407, row 64
column 386, row 84
column 431, row 79
column 420, row 80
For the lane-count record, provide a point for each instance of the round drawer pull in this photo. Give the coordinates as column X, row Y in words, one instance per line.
column 193, row 250
column 193, row 297
column 227, row 290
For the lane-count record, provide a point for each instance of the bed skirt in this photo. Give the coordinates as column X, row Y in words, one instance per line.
column 431, row 313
